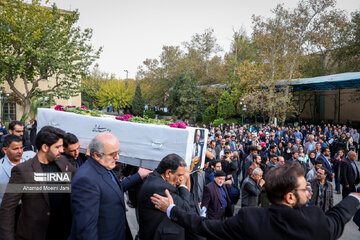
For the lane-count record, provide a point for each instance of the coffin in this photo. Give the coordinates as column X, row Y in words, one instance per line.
column 140, row 144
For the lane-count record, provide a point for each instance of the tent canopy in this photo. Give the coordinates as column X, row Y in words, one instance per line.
column 329, row 82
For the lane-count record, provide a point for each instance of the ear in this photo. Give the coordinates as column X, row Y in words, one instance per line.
column 96, row 156
column 290, row 198
column 45, row 148
column 167, row 173
column 10, row 131
column 4, row 149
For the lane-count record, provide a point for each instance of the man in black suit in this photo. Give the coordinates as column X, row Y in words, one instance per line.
column 170, row 174
column 44, row 215
column 349, row 174
column 286, row 218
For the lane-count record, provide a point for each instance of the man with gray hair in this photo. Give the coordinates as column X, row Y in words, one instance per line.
column 97, row 198
column 251, row 188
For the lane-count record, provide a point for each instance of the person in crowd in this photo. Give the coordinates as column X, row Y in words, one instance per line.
column 349, row 174
column 309, row 145
column 17, row 128
column 216, row 198
column 286, row 218
column 215, row 168
column 251, row 188
column 312, row 157
column 173, row 175
column 33, row 130
column 322, row 190
column 280, row 161
column 41, row 213
column 252, row 150
column 256, row 164
column 97, row 198
column 325, row 158
column 220, row 149
column 72, row 150
column 336, row 161
column 3, row 131
column 13, row 149
column 312, row 174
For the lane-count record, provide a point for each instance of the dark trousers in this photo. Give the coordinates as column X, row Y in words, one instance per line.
column 347, row 191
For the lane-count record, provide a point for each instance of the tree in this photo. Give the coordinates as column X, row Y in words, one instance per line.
column 188, row 96
column 226, row 108
column 116, row 93
column 39, row 43
column 90, row 85
column 209, row 114
column 138, row 105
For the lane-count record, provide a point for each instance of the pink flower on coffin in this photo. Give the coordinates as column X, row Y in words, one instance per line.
column 84, row 107
column 59, row 108
column 174, row 125
column 68, row 106
column 119, row 118
column 181, row 125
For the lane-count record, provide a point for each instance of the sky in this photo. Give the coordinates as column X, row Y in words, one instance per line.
column 131, row 31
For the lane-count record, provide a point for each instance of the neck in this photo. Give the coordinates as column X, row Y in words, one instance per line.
column 16, row 162
column 42, row 158
column 322, row 181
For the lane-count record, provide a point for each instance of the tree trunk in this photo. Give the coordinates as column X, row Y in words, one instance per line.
column 27, row 105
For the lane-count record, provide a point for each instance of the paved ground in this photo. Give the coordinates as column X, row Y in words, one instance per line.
column 350, row 233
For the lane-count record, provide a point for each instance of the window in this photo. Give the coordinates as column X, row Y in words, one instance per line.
column 9, row 112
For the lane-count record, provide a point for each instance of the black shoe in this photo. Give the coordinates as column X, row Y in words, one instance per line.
column 338, row 192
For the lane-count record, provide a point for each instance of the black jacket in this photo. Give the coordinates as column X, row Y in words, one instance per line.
column 347, row 175
column 274, row 223
column 154, row 224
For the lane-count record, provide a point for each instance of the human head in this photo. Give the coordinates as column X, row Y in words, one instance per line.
column 281, row 160
column 16, row 128
column 295, row 155
column 49, row 141
column 219, row 178
column 273, row 158
column 172, row 169
column 341, row 152
column 318, row 146
column 222, row 142
column 351, row 156
column 318, row 164
column 321, row 173
column 104, row 148
column 286, row 185
column 71, row 145
column 252, row 149
column 213, row 144
column 197, row 136
column 325, row 151
column 312, row 154
column 13, row 148
column 257, row 174
column 273, row 148
column 217, row 166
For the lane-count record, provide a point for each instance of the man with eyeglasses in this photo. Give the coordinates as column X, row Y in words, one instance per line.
column 97, row 198
column 286, row 218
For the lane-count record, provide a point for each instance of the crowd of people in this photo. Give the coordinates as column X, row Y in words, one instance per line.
column 282, row 173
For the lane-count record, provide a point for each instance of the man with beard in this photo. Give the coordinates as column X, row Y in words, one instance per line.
column 42, row 213
column 286, row 218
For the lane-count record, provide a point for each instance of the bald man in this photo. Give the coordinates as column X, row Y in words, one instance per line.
column 349, row 174
column 97, row 198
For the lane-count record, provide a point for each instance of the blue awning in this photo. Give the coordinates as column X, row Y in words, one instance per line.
column 330, row 82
